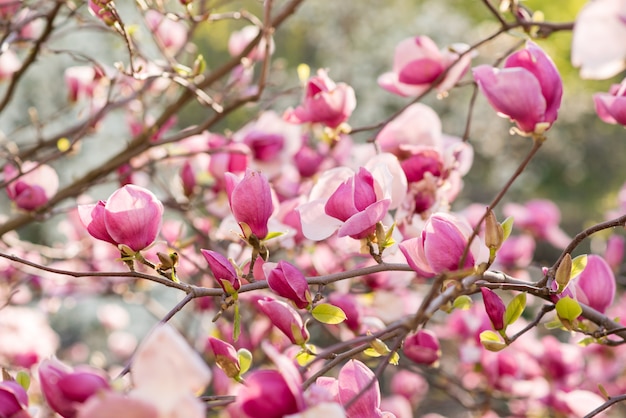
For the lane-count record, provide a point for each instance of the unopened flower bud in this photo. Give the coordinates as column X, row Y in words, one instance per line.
column 563, row 272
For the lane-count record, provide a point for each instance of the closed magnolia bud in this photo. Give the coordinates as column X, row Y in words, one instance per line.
column 289, row 282
column 422, row 347
column 222, row 270
column 563, row 272
column 225, row 356
column 495, row 308
column 286, row 319
column 34, row 188
column 14, row 400
column 494, row 234
column 251, row 202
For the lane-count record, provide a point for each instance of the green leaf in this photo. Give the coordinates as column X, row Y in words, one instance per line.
column 514, row 309
column 245, row 360
column 578, row 265
column 491, row 341
column 236, row 322
column 507, row 227
column 586, row 341
column 370, row 352
column 463, row 302
column 23, row 379
column 271, row 235
column 555, row 324
column 568, row 309
column 328, row 314
column 395, row 358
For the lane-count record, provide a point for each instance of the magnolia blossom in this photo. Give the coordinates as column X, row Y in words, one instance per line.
column 251, row 202
column 527, row 90
column 240, row 39
column 13, row 400
column 288, row 281
column 352, row 203
column 495, row 308
column 596, row 43
column 131, row 216
column 441, row 246
column 286, row 319
column 541, row 218
column 611, row 106
column 418, row 63
column 9, row 64
column 325, row 102
column 171, row 35
column 596, row 284
column 225, row 356
column 100, row 9
column 422, row 347
column 222, row 270
column 32, row 189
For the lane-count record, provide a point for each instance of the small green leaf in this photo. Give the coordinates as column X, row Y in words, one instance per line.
column 245, row 360
column 507, row 227
column 578, row 265
column 306, row 355
column 568, row 309
column 491, row 341
column 23, row 379
column 586, row 341
column 514, row 309
column 271, row 235
column 328, row 314
column 553, row 324
column 395, row 358
column 463, row 302
column 370, row 352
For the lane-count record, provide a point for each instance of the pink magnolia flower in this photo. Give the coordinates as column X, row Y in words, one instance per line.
column 131, row 216
column 527, row 90
column 418, row 62
column 111, row 404
column 596, row 283
column 353, row 378
column 422, row 347
column 325, row 102
column 441, row 246
column 286, row 319
column 541, row 218
column 234, row 159
column 352, row 203
column 65, row 389
column 251, row 202
column 595, row 46
column 222, row 269
column 611, row 106
column 495, row 308
column 240, row 39
column 99, row 9
column 82, row 81
column 33, row 189
column 225, row 356
column 288, row 281
column 171, row 35
column 614, row 252
column 13, row 400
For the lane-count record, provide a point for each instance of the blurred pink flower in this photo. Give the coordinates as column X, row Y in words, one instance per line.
column 171, row 35
column 541, row 218
column 611, row 106
column 527, row 90
column 325, row 102
column 99, row 9
column 422, row 347
column 596, row 43
column 418, row 62
column 131, row 216
column 13, row 400
column 9, row 64
column 240, row 39
column 33, row 189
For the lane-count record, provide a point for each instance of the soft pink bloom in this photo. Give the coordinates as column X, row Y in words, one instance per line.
column 65, row 389
column 614, row 252
column 418, row 62
column 495, row 308
column 352, row 203
column 111, row 404
column 9, row 64
column 422, row 347
column 240, row 39
column 325, row 102
column 250, row 201
column 222, row 269
column 82, row 81
column 410, row 385
column 441, row 245
column 611, row 106
column 596, row 48
column 286, row 319
column 99, row 9
column 9, row 7
column 33, row 189
column 226, row 356
column 13, row 400
column 131, row 216
column 541, row 218
column 169, row 374
column 171, row 35
column 516, row 251
column 288, row 281
column 350, row 306
column 597, row 283
column 233, row 159
column 527, row 90
column 353, row 377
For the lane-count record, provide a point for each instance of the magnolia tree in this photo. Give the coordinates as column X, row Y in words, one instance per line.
column 314, row 274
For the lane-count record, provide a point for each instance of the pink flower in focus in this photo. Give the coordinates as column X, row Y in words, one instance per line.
column 353, row 378
column 131, row 216
column 251, row 202
column 65, row 389
column 240, row 39
column 441, row 246
column 325, row 102
column 13, row 400
column 611, row 106
column 226, row 357
column 222, row 269
column 541, row 218
column 286, row 319
column 418, row 62
column 289, row 282
column 597, row 283
column 596, row 45
column 495, row 308
column 171, row 35
column 422, row 347
column 33, row 189
column 527, row 90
